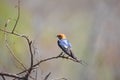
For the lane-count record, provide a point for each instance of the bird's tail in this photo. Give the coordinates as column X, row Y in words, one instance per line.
column 73, row 56
column 77, row 60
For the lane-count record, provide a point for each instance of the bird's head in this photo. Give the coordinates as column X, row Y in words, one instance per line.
column 61, row 36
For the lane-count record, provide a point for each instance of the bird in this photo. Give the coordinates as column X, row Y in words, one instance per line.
column 65, row 45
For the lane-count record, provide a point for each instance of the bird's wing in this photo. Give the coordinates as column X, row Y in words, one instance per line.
column 65, row 46
column 64, row 43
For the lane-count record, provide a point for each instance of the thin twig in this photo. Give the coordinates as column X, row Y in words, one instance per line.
column 18, row 16
column 31, row 55
column 48, row 59
column 10, row 75
column 11, row 51
column 51, row 58
column 46, row 77
column 13, row 54
column 25, row 37
column 11, row 33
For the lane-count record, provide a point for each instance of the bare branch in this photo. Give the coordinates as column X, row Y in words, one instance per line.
column 18, row 6
column 48, row 59
column 10, row 75
column 30, row 49
column 11, row 33
column 31, row 55
column 13, row 55
column 51, row 58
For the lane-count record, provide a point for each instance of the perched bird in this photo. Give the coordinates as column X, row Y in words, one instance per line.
column 65, row 45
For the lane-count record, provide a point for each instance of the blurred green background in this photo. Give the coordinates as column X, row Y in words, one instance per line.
column 92, row 27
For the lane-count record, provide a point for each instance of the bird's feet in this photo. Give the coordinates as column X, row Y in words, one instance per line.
column 63, row 55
